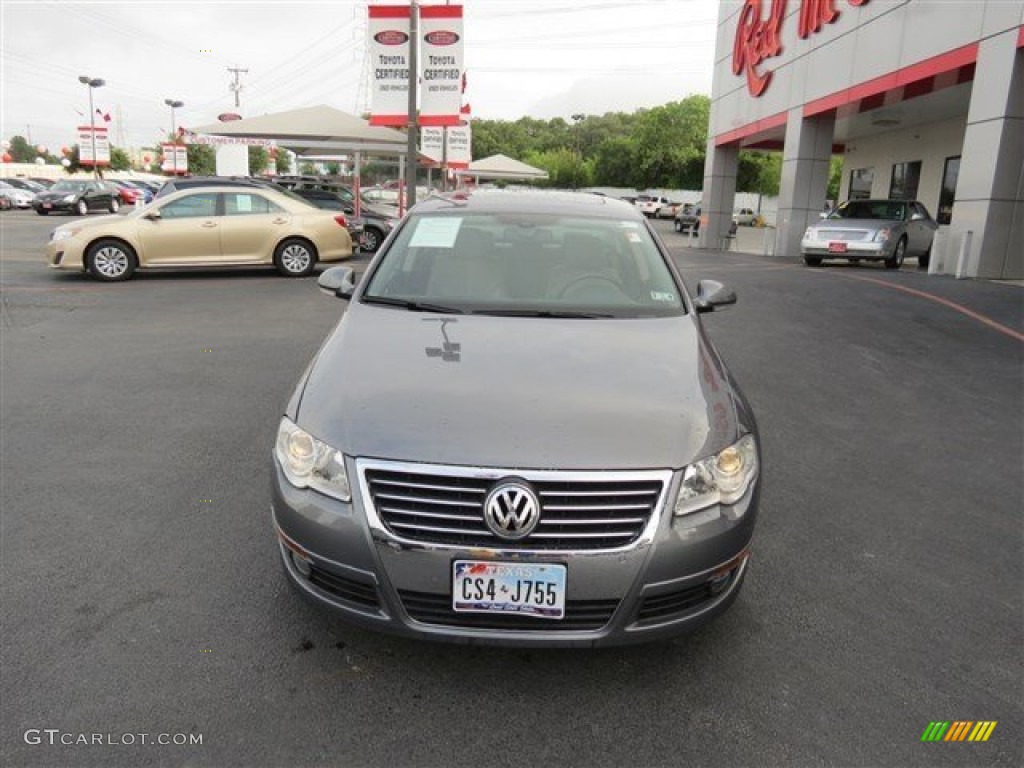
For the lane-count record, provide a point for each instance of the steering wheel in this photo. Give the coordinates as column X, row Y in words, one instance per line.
column 600, row 281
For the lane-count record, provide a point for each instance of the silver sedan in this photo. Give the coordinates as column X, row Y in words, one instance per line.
column 872, row 230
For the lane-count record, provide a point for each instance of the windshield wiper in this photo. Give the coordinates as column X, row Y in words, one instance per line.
column 413, row 305
column 554, row 313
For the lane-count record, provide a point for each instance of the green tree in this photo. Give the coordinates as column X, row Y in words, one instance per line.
column 615, row 163
column 258, row 159
column 21, row 151
column 284, row 161
column 566, row 169
column 202, row 160
column 119, row 160
column 835, row 175
column 671, row 143
column 306, row 169
column 759, row 172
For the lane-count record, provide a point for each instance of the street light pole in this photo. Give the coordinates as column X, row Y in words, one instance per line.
column 411, row 149
column 92, row 82
column 174, row 104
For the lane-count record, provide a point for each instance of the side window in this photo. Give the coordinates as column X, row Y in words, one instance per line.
column 247, row 204
column 193, row 206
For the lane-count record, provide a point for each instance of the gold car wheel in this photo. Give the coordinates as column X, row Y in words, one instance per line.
column 295, row 258
column 110, row 261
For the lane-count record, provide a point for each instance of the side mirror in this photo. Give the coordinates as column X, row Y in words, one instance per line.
column 153, row 215
column 338, row 281
column 711, row 294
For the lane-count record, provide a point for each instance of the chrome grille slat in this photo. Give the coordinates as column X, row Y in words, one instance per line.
column 545, row 494
column 593, row 507
column 443, row 505
column 424, row 500
column 436, row 529
column 598, row 521
column 432, row 515
column 426, row 486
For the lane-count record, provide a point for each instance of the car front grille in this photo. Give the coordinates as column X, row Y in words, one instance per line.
column 432, row 608
column 846, row 235
column 579, row 511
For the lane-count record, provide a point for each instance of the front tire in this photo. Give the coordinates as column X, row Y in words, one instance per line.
column 678, row 225
column 896, row 260
column 81, row 208
column 41, row 212
column 812, row 261
column 295, row 258
column 110, row 261
column 114, row 205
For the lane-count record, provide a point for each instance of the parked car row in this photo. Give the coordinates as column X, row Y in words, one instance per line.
column 47, row 195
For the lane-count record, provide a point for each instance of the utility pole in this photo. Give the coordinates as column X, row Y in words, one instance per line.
column 411, row 147
column 236, row 86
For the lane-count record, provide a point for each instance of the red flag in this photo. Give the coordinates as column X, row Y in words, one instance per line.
column 104, row 115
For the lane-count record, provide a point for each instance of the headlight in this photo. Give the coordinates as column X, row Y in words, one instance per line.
column 63, row 234
column 311, row 463
column 882, row 235
column 69, row 198
column 720, row 479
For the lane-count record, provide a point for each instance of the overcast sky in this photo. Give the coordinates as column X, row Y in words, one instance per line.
column 542, row 58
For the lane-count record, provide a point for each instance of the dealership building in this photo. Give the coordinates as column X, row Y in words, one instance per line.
column 922, row 99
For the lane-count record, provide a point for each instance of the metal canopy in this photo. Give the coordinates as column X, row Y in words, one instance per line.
column 502, row 167
column 314, row 130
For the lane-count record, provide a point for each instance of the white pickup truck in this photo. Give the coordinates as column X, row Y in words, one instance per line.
column 656, row 206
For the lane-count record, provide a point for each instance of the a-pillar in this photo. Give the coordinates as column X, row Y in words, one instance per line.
column 805, row 169
column 990, row 187
column 720, row 168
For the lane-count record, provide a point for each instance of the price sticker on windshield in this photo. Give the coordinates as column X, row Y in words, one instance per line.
column 436, row 232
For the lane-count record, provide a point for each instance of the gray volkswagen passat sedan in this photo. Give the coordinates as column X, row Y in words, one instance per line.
column 519, row 433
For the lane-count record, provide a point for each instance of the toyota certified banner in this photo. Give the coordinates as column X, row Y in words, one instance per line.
column 85, row 144
column 388, row 44
column 440, row 64
column 175, row 158
column 431, row 139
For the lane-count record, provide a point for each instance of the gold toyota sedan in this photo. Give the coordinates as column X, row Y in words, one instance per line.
column 204, row 227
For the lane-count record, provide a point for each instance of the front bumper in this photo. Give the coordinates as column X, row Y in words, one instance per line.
column 65, row 254
column 868, row 251
column 680, row 574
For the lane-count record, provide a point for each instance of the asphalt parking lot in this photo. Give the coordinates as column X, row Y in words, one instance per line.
column 141, row 591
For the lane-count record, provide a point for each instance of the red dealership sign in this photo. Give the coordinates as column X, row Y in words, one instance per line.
column 759, row 38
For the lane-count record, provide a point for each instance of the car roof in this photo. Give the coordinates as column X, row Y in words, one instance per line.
column 532, row 201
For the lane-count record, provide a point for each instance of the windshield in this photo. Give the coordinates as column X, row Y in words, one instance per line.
column 68, row 186
column 885, row 210
column 525, row 264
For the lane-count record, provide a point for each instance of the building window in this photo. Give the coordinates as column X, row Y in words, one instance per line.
column 948, row 192
column 905, row 176
column 860, row 184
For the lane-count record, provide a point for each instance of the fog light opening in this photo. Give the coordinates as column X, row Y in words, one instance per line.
column 719, row 582
column 302, row 564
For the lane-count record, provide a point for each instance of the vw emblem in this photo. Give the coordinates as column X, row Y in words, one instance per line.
column 512, row 510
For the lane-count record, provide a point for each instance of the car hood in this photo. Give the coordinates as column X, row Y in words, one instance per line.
column 519, row 392
column 94, row 221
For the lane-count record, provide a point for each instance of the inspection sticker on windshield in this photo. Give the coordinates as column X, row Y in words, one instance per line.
column 436, row 232
column 530, row 589
column 663, row 296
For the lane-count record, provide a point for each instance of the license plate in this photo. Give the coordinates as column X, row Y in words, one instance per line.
column 47, row 205
column 837, row 247
column 511, row 588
